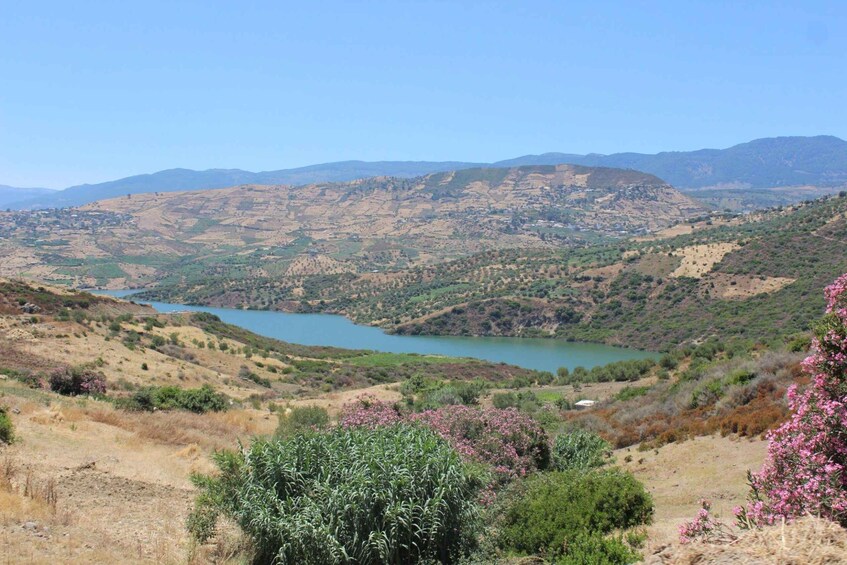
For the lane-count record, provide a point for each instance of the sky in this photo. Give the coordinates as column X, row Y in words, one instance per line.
column 93, row 91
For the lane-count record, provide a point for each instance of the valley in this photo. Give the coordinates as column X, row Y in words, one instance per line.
column 98, row 478
column 725, row 276
column 423, row 283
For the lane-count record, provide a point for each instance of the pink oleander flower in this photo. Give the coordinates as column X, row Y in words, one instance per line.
column 806, row 468
column 511, row 443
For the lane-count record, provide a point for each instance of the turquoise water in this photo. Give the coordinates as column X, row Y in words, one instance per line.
column 326, row 329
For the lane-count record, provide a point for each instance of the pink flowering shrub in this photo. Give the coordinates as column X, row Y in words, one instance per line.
column 74, row 381
column 806, row 469
column 512, row 443
column 704, row 527
column 368, row 412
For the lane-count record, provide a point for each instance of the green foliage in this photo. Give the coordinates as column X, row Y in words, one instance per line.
column 7, row 433
column 198, row 400
column 619, row 371
column 800, row 343
column 594, row 549
column 245, row 373
column 579, row 449
column 558, row 510
column 301, row 419
column 630, row 392
column 709, row 391
column 395, row 494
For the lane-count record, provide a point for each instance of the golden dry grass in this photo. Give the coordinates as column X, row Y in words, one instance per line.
column 679, row 474
column 808, row 541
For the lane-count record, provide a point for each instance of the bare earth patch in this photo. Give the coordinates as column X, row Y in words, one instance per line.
column 741, row 287
column 697, row 260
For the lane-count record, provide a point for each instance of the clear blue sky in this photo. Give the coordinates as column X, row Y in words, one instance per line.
column 93, row 91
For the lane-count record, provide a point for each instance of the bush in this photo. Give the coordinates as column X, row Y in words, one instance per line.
column 197, row 400
column 596, row 549
column 302, row 419
column 511, row 442
column 396, row 494
column 806, row 469
column 562, row 513
column 7, row 434
column 503, row 400
column 579, row 449
column 73, row 381
column 507, row 440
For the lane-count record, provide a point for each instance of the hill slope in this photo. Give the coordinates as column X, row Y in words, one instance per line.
column 728, row 277
column 762, row 163
column 332, row 228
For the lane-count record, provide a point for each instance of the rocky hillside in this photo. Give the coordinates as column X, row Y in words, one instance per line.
column 331, row 228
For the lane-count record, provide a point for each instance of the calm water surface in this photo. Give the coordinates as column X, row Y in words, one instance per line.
column 338, row 331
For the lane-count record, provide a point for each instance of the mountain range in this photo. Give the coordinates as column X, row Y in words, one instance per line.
column 12, row 194
column 762, row 163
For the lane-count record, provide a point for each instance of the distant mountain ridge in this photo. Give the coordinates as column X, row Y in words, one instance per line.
column 11, row 194
column 762, row 163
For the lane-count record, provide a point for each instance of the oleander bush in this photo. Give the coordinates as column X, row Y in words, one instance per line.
column 806, row 469
column 74, row 381
column 511, row 442
column 393, row 494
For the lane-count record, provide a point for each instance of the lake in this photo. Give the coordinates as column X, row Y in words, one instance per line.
column 338, row 331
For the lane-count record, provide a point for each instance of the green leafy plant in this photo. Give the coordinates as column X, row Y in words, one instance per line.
column 7, row 433
column 301, row 419
column 579, row 449
column 396, row 494
column 562, row 513
column 198, row 400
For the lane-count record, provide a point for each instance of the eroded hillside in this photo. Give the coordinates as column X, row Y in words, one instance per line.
column 333, row 228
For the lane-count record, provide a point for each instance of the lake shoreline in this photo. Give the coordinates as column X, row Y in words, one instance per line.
column 538, row 353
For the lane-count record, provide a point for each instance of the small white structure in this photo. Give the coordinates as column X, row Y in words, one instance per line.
column 585, row 403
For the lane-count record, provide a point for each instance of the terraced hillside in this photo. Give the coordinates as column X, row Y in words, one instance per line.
column 333, row 228
column 727, row 276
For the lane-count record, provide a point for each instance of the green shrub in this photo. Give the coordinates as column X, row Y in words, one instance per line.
column 503, row 400
column 560, row 510
column 594, row 549
column 198, row 400
column 579, row 449
column 396, row 494
column 7, row 434
column 630, row 392
column 302, row 419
